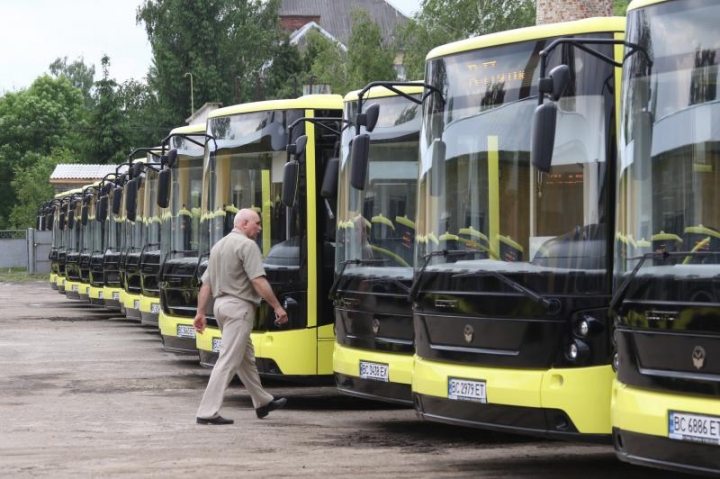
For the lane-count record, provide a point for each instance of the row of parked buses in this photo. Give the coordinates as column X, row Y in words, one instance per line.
column 520, row 242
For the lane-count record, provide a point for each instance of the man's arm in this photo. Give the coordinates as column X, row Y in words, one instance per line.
column 203, row 297
column 263, row 288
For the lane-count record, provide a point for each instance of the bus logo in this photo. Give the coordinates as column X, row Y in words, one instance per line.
column 375, row 325
column 469, row 333
column 698, row 357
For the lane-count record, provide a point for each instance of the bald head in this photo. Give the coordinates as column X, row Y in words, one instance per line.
column 247, row 221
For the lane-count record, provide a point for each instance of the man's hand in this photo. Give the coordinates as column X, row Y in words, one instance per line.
column 281, row 316
column 200, row 322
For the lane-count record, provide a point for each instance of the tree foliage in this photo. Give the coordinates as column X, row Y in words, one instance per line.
column 216, row 41
column 108, row 136
column 370, row 59
column 81, row 76
column 32, row 184
column 444, row 21
column 620, row 7
column 49, row 115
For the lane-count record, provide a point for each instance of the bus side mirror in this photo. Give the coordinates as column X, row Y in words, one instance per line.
column 545, row 117
column 131, row 199
column 369, row 117
column 71, row 219
column 437, row 180
column 171, row 158
column 330, row 179
column 543, row 136
column 137, row 169
column 102, row 209
column 291, row 175
column 61, row 225
column 117, row 200
column 359, row 157
column 163, row 192
column 84, row 214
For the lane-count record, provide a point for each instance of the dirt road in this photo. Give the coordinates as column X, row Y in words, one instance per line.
column 84, row 393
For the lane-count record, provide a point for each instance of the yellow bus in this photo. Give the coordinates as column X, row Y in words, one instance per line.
column 513, row 265
column 77, row 257
column 64, row 236
column 666, row 399
column 181, row 239
column 374, row 342
column 137, row 230
column 113, row 291
column 244, row 169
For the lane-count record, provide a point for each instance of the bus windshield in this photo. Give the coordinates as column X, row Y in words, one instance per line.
column 181, row 224
column 669, row 168
column 246, row 171
column 378, row 223
column 483, row 207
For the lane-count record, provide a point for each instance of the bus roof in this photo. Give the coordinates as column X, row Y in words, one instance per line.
column 587, row 25
column 635, row 4
column 382, row 92
column 307, row 101
column 198, row 128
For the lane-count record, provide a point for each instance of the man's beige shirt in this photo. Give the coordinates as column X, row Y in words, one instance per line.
column 234, row 262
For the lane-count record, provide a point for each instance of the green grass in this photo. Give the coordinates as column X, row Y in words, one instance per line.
column 20, row 275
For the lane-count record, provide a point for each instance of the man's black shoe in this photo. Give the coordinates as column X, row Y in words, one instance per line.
column 271, row 406
column 218, row 421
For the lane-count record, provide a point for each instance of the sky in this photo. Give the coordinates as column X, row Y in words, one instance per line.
column 37, row 32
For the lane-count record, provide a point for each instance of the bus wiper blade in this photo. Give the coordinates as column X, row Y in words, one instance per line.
column 620, row 294
column 622, row 290
column 415, row 287
column 388, row 280
column 356, row 261
column 552, row 306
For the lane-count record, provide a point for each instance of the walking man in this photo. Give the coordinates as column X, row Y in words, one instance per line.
column 236, row 279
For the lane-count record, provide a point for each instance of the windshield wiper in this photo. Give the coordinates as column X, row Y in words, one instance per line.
column 415, row 287
column 356, row 261
column 388, row 280
column 621, row 292
column 552, row 306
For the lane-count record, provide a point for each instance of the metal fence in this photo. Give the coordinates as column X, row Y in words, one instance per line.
column 29, row 249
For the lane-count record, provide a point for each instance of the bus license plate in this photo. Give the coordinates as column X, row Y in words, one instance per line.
column 100, row 295
column 155, row 308
column 185, row 331
column 467, row 390
column 136, row 304
column 74, row 288
column 216, row 342
column 694, row 427
column 116, row 296
column 87, row 289
column 374, row 371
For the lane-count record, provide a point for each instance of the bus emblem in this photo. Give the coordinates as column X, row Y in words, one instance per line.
column 469, row 333
column 698, row 357
column 375, row 325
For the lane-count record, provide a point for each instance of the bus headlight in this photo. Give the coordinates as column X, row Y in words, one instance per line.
column 577, row 351
column 588, row 325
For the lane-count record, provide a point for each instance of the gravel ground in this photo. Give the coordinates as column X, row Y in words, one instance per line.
column 85, row 393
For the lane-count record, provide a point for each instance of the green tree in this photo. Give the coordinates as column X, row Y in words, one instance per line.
column 32, row 185
column 621, row 7
column 369, row 59
column 107, row 140
column 141, row 114
column 328, row 62
column 214, row 40
column 81, row 76
column 49, row 115
column 444, row 21
column 284, row 77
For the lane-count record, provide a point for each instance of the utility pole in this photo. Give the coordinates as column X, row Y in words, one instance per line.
column 192, row 99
